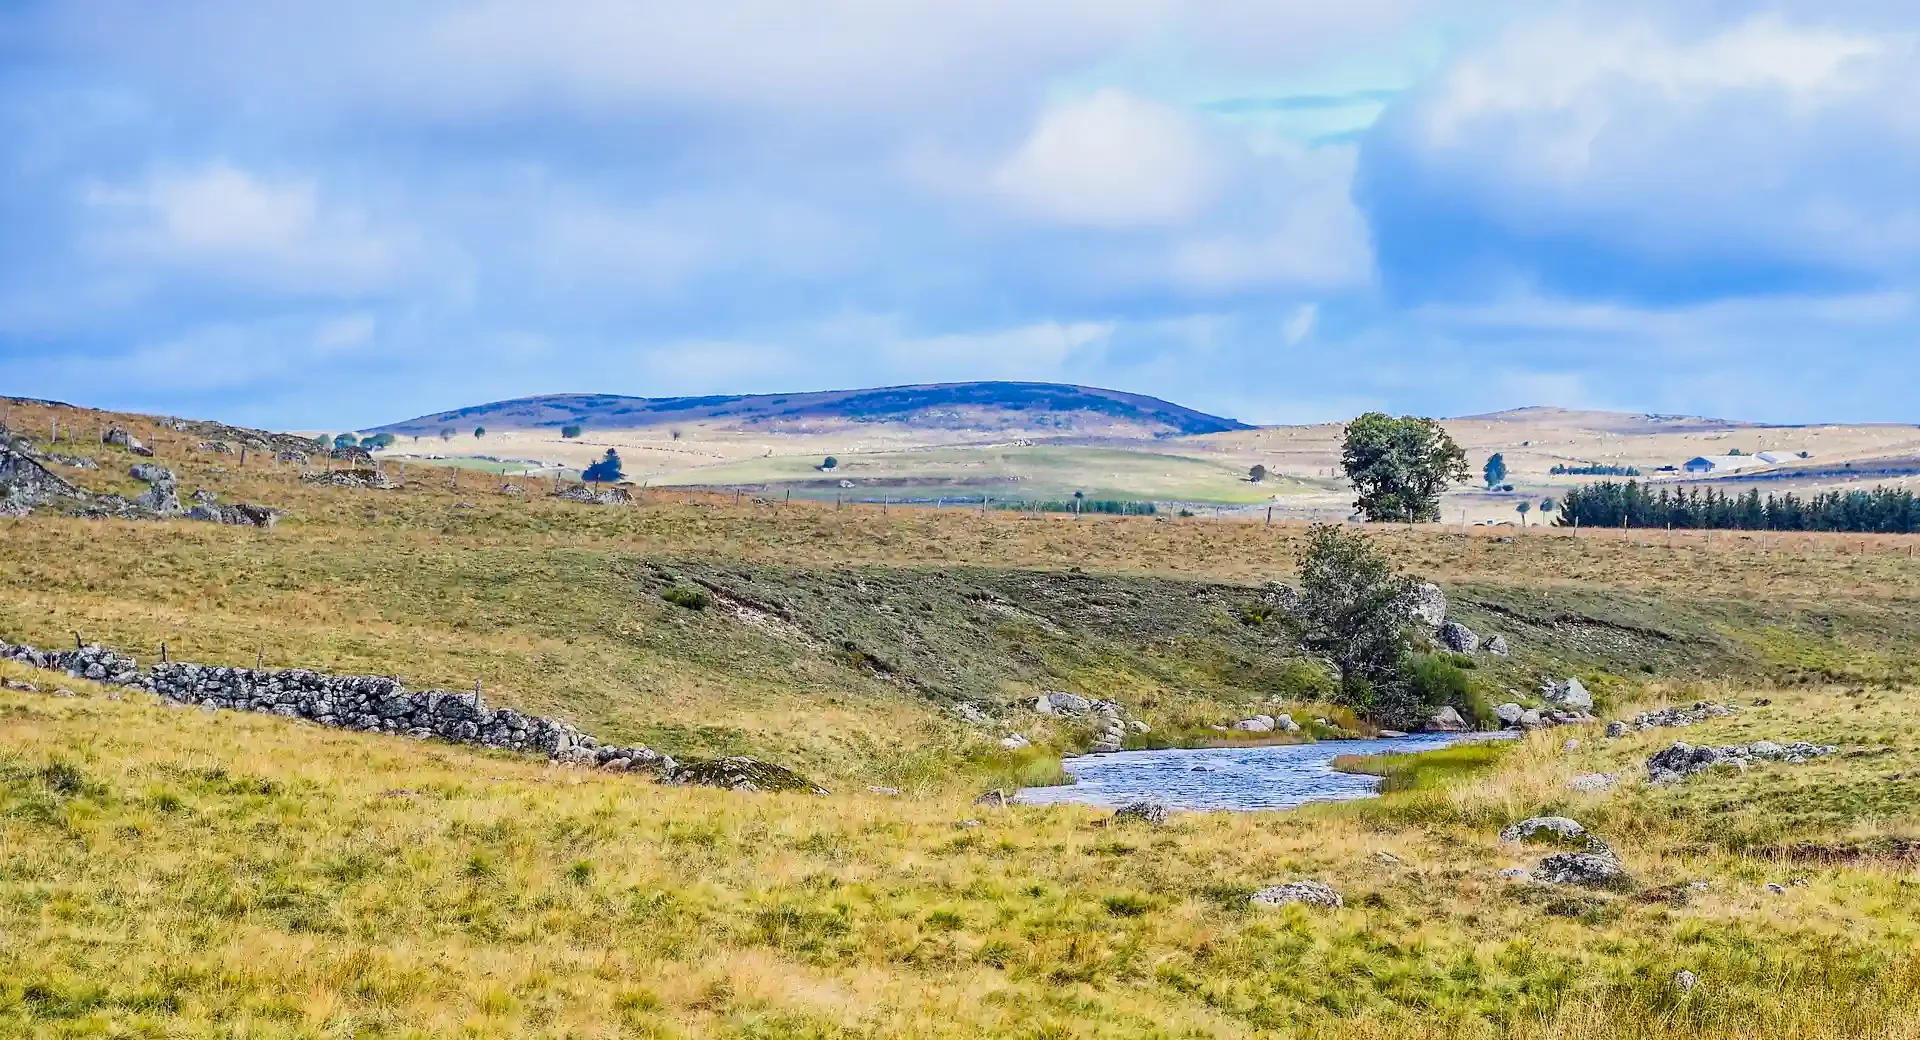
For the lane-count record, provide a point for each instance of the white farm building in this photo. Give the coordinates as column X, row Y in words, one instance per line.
column 1721, row 464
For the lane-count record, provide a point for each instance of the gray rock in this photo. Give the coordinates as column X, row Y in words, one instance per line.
column 1586, row 869
column 1531, row 719
column 1062, row 704
column 1568, row 693
column 1680, row 760
column 1285, row 724
column 1446, row 720
column 1151, row 813
column 740, row 773
column 150, row 473
column 1557, row 831
column 1685, row 981
column 1256, row 724
column 1617, row 729
column 1429, row 605
column 1593, row 783
column 1310, row 893
column 1509, row 714
column 1014, row 741
column 1515, row 874
column 1458, row 638
column 1497, row 646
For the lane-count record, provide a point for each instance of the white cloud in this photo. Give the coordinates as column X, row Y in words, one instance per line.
column 1043, row 350
column 1112, row 160
column 1300, row 324
column 222, row 220
column 1624, row 153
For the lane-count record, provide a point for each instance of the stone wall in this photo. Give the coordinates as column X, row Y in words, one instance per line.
column 372, row 703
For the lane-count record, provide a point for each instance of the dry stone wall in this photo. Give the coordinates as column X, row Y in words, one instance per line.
column 372, row 703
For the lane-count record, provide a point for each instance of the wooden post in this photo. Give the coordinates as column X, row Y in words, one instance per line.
column 243, row 456
column 789, row 496
column 259, row 657
column 836, row 501
column 163, row 653
column 77, row 644
column 1269, row 516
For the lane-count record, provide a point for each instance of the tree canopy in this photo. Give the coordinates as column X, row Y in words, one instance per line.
column 606, row 471
column 479, row 431
column 1496, row 469
column 570, row 431
column 1257, row 473
column 1400, row 466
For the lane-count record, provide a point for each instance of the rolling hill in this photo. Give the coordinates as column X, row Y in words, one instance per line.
column 975, row 406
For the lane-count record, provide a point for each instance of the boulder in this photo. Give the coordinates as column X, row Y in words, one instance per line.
column 1429, row 605
column 1497, row 646
column 1014, row 742
column 1152, row 814
column 1509, row 714
column 150, row 473
column 1285, row 724
column 25, row 483
column 1586, row 869
column 1558, row 831
column 1057, row 703
column 1446, row 720
column 1458, row 638
column 1257, row 724
column 1309, row 893
column 1530, row 719
column 1617, row 729
column 740, row 773
column 1568, row 693
column 161, row 497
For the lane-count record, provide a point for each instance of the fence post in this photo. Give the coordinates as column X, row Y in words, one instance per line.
column 1269, row 516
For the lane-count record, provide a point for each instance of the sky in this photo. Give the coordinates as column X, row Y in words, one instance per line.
column 338, row 214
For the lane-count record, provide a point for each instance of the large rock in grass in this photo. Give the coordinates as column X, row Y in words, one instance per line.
column 1568, row 693
column 741, row 773
column 1429, row 605
column 1585, row 869
column 1458, row 638
column 1152, row 814
column 1309, row 893
column 1560, row 832
column 1509, row 714
column 1256, row 724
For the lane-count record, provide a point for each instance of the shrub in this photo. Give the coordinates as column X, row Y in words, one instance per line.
column 688, row 596
column 570, row 431
column 606, row 471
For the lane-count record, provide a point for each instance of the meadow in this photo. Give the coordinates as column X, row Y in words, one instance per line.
column 173, row 872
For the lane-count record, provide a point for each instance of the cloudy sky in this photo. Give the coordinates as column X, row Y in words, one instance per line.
column 347, row 212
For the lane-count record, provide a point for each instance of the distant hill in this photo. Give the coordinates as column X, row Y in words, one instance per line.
column 986, row 406
column 1608, row 422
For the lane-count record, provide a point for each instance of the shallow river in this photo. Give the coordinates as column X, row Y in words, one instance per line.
column 1276, row 777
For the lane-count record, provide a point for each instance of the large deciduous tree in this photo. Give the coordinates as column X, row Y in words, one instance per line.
column 1400, row 466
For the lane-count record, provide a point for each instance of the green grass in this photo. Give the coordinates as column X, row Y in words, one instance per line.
column 1426, row 770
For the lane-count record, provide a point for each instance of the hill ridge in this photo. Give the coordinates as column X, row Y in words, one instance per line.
column 935, row 405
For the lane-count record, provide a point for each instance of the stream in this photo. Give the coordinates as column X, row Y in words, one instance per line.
column 1278, row 776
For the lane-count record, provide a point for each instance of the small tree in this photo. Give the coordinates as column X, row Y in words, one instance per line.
column 378, row 440
column 1257, row 473
column 1496, row 469
column 1400, row 466
column 1354, row 609
column 1523, row 507
column 606, row 471
column 346, row 440
column 447, row 432
column 829, row 463
column 570, row 431
column 1547, row 506
column 479, row 432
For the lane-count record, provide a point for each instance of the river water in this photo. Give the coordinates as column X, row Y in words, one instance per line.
column 1278, row 776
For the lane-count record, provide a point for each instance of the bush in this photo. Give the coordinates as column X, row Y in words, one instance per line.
column 570, row 431
column 688, row 596
column 1438, row 679
column 606, row 471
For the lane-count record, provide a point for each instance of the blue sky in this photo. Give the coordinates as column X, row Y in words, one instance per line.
column 338, row 214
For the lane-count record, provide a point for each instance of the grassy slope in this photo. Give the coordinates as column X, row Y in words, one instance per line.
column 182, row 873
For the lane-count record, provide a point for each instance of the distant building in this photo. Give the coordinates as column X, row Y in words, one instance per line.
column 1769, row 457
column 1715, row 464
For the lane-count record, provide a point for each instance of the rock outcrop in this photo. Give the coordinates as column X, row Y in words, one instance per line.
column 1585, row 869
column 1681, row 760
column 1309, row 893
column 1458, row 638
column 740, row 773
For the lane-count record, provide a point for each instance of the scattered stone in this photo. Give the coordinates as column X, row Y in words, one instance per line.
column 1310, row 893
column 1685, row 981
column 298, row 458
column 1458, row 638
column 1393, row 734
column 995, row 797
column 1057, row 703
column 1681, row 760
column 1570, row 746
column 1497, row 646
column 971, row 714
column 1593, row 783
column 1700, row 711
column 1616, row 729
column 1586, row 869
column 889, row 792
column 1151, row 813
column 1257, row 724
column 1014, row 742
column 1509, row 714
column 1285, row 724
column 216, row 447
column 1776, row 889
column 613, row 496
column 150, row 473
column 1515, row 874
column 367, row 477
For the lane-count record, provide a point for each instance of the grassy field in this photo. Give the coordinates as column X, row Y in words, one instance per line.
column 172, row 872
column 1041, row 472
